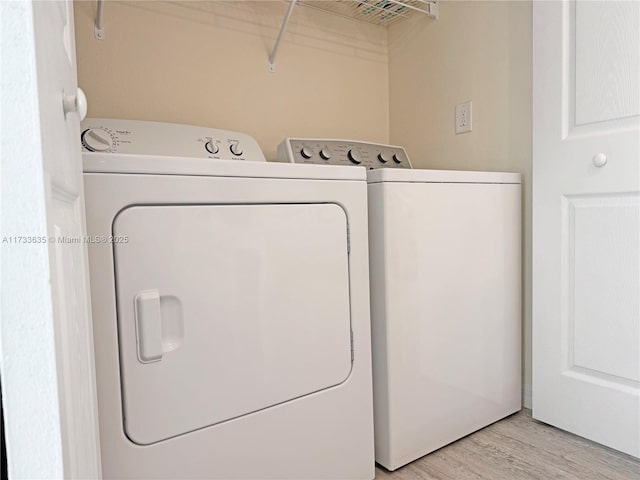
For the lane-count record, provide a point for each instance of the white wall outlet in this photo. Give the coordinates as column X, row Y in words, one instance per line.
column 464, row 118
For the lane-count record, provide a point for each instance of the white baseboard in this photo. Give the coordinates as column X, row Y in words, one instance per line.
column 526, row 396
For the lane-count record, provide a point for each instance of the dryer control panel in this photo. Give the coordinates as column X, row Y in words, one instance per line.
column 342, row 152
column 135, row 137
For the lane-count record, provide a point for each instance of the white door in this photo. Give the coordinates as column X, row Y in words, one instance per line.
column 227, row 310
column 49, row 298
column 586, row 219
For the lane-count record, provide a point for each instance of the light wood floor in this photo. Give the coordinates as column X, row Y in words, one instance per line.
column 519, row 448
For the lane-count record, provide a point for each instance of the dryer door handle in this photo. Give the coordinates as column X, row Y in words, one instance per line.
column 149, row 326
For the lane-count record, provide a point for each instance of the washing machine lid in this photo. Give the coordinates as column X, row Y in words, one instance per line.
column 228, row 310
column 440, row 176
column 163, row 165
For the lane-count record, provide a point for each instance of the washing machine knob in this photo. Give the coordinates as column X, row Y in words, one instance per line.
column 306, row 152
column 97, row 140
column 354, row 157
column 325, row 154
column 382, row 158
column 212, row 147
column 397, row 158
column 235, row 149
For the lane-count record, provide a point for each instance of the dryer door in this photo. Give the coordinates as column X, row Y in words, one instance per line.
column 225, row 310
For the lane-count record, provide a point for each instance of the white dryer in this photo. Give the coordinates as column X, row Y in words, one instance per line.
column 230, row 307
column 445, row 276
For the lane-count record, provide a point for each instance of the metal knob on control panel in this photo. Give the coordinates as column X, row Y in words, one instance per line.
column 97, row 140
column 325, row 154
column 354, row 157
column 235, row 149
column 306, row 152
column 212, row 147
column 397, row 158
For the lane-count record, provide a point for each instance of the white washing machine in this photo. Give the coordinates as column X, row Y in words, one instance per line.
column 230, row 307
column 445, row 276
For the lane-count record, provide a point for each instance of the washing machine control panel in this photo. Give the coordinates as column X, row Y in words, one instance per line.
column 342, row 152
column 103, row 135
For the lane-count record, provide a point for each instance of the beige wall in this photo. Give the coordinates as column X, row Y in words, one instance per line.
column 205, row 63
column 478, row 51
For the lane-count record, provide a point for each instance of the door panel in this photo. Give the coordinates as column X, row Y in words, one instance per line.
column 606, row 61
column 68, row 262
column 224, row 310
column 603, row 332
column 586, row 266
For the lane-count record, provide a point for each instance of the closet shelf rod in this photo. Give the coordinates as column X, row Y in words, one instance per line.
column 274, row 52
column 98, row 28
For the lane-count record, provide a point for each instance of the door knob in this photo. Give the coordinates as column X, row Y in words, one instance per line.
column 599, row 160
column 75, row 103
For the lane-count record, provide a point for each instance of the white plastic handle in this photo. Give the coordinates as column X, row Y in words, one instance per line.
column 81, row 100
column 149, row 326
column 75, row 103
column 599, row 160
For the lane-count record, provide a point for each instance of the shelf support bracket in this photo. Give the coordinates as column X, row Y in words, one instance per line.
column 98, row 27
column 274, row 52
column 433, row 10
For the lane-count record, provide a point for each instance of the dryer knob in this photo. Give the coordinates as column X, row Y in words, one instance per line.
column 97, row 140
column 382, row 158
column 235, row 149
column 354, row 157
column 306, row 153
column 397, row 158
column 325, row 154
column 212, row 147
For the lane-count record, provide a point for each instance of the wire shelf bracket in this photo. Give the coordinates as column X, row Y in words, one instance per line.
column 274, row 52
column 98, row 27
column 377, row 12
